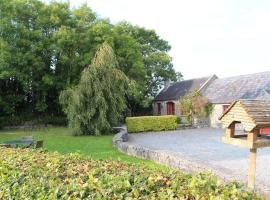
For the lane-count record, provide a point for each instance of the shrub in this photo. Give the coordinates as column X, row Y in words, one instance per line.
column 32, row 174
column 197, row 104
column 178, row 120
column 151, row 123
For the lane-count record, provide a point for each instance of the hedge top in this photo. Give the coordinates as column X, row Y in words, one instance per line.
column 151, row 123
column 153, row 117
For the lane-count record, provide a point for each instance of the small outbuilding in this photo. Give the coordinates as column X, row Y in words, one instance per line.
column 253, row 115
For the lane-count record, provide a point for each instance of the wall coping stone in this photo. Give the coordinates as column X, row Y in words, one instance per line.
column 121, row 136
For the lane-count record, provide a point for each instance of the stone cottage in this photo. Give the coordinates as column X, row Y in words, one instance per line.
column 167, row 101
column 221, row 92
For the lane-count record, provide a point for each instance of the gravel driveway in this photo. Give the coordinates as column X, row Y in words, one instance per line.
column 204, row 145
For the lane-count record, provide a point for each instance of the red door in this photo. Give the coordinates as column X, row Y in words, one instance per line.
column 170, row 108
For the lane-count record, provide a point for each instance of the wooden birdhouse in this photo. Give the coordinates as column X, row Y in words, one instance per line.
column 253, row 115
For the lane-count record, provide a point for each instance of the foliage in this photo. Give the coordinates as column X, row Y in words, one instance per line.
column 31, row 174
column 195, row 103
column 151, row 123
column 45, row 46
column 20, row 120
column 186, row 105
column 97, row 102
column 178, row 120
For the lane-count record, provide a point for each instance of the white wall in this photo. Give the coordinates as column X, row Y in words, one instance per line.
column 216, row 113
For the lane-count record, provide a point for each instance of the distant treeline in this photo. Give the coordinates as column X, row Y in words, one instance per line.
column 45, row 46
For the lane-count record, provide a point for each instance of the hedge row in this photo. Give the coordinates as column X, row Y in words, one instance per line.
column 151, row 123
column 31, row 174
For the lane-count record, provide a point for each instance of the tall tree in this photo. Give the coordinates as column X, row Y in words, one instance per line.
column 143, row 56
column 44, row 47
column 97, row 102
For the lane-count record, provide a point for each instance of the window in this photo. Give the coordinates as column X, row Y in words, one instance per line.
column 158, row 108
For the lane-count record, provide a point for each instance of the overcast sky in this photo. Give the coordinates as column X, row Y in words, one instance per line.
column 223, row 37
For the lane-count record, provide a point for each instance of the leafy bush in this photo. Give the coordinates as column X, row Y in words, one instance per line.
column 31, row 174
column 197, row 104
column 151, row 123
column 178, row 120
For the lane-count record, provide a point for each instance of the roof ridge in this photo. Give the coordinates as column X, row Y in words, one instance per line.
column 195, row 78
column 254, row 100
column 241, row 75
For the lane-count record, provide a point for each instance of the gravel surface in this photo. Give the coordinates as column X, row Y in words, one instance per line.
column 205, row 146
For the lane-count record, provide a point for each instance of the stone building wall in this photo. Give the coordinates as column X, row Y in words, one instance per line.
column 177, row 107
column 216, row 113
column 211, row 121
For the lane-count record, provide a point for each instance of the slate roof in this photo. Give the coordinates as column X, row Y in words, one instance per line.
column 227, row 90
column 178, row 89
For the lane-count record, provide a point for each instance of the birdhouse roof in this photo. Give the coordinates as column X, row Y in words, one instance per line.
column 251, row 113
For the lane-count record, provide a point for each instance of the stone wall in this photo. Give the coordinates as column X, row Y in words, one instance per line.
column 171, row 159
column 121, row 136
column 216, row 113
column 201, row 122
column 120, row 141
column 164, row 107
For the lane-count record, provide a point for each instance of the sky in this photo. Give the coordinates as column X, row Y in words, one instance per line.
column 222, row 37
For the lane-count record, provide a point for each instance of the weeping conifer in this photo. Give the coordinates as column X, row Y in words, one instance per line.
column 96, row 103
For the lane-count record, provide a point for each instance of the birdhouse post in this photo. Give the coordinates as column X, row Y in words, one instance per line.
column 253, row 115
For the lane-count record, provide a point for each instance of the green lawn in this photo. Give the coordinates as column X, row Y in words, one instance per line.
column 60, row 139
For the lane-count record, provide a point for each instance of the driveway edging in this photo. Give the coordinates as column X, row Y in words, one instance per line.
column 175, row 160
column 171, row 159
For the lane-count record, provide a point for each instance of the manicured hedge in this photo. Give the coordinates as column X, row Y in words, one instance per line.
column 31, row 174
column 151, row 123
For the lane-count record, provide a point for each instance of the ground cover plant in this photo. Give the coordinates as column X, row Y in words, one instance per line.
column 35, row 174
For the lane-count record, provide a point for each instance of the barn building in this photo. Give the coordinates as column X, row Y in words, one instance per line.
column 221, row 92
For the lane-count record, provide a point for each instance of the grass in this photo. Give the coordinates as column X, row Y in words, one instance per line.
column 61, row 140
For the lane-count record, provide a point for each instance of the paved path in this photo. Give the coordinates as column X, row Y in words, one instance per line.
column 204, row 145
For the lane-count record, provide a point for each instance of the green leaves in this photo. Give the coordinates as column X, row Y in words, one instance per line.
column 151, row 123
column 44, row 47
column 97, row 102
column 31, row 174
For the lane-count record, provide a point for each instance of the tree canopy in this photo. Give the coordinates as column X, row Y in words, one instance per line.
column 44, row 47
column 97, row 102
